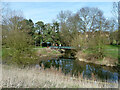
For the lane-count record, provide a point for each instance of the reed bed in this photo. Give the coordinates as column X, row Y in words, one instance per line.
column 37, row 77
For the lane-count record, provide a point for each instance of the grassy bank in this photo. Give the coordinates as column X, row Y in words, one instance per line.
column 110, row 59
column 110, row 51
column 43, row 52
column 14, row 77
column 40, row 47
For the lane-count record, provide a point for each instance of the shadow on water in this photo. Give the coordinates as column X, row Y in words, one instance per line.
column 71, row 65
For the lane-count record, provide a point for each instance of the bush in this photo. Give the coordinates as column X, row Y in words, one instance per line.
column 17, row 46
column 79, row 42
column 96, row 45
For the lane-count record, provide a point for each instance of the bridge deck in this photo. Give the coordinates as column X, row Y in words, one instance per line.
column 62, row 47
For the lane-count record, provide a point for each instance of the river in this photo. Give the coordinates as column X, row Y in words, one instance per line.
column 72, row 66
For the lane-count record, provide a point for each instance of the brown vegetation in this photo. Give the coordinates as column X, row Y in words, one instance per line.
column 46, row 52
column 14, row 77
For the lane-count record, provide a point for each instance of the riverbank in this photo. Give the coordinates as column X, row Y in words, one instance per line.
column 110, row 59
column 36, row 77
column 106, row 61
column 47, row 52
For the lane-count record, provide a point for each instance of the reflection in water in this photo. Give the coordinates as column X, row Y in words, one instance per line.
column 76, row 68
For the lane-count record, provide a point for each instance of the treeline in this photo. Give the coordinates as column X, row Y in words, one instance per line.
column 88, row 29
column 85, row 29
column 39, row 31
column 67, row 28
column 87, row 21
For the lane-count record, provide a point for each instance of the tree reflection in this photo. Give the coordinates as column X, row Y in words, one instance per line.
column 77, row 68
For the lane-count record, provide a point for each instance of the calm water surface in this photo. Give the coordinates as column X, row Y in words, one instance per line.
column 70, row 65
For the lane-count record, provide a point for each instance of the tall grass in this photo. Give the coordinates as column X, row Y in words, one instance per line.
column 37, row 77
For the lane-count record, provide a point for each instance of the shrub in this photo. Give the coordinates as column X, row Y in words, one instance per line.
column 96, row 45
column 17, row 45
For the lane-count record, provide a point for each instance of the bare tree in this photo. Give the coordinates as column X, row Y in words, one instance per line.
column 10, row 18
column 90, row 18
column 112, row 29
column 116, row 15
column 64, row 28
column 115, row 10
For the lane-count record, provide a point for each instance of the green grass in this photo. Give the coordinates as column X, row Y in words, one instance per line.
column 40, row 47
column 0, row 53
column 112, row 46
column 5, row 51
column 55, row 52
column 110, row 51
column 43, row 52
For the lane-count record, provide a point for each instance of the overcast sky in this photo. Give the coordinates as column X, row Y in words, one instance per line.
column 47, row 11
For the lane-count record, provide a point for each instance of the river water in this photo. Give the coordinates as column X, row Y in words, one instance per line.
column 72, row 66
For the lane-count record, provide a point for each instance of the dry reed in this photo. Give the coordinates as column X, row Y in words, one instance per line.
column 14, row 77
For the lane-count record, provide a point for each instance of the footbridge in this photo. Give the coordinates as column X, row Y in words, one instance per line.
column 62, row 47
